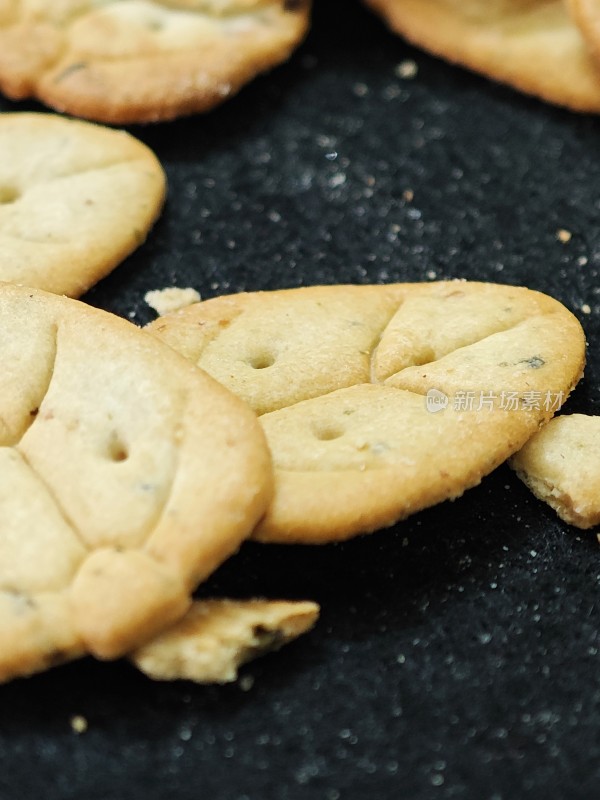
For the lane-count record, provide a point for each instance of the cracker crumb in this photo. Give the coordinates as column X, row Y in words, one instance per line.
column 563, row 235
column 406, row 69
column 598, row 537
column 172, row 298
column 246, row 683
column 408, row 195
column 586, row 308
column 79, row 724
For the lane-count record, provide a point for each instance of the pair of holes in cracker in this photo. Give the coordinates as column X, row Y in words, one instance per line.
column 8, row 194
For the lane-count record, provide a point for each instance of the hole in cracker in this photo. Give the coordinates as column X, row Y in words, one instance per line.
column 117, row 450
column 325, row 433
column 261, row 361
column 8, row 194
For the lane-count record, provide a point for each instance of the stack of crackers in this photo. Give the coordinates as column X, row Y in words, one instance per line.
column 135, row 462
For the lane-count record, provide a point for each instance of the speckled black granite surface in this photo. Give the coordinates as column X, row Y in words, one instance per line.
column 457, row 654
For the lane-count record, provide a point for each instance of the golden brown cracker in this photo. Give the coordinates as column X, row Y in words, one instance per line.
column 127, row 478
column 143, row 60
column 75, row 200
column 378, row 401
column 531, row 45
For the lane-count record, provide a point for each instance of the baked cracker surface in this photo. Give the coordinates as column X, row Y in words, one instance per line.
column 127, row 478
column 531, row 45
column 561, row 465
column 75, row 200
column 586, row 14
column 378, row 401
column 126, row 61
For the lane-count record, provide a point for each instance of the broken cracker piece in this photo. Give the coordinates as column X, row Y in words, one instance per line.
column 561, row 465
column 217, row 636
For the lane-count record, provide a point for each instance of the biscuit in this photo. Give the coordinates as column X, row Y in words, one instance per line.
column 142, row 60
column 127, row 477
column 561, row 465
column 532, row 45
column 378, row 401
column 217, row 636
column 75, row 200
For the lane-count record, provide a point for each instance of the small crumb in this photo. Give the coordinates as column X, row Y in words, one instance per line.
column 563, row 235
column 185, row 734
column 586, row 308
column 392, row 92
column 246, row 682
column 79, row 724
column 339, row 179
column 406, row 69
column 598, row 537
column 408, row 195
column 431, row 274
column 582, row 261
column 165, row 301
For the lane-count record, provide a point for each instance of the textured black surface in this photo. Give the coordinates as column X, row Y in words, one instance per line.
column 457, row 654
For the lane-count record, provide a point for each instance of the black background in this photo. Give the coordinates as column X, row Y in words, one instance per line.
column 457, row 654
